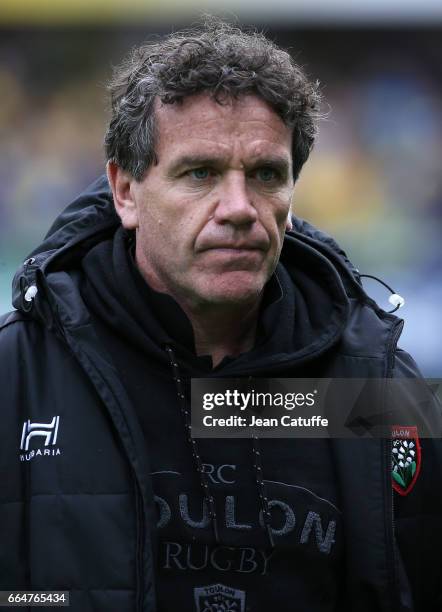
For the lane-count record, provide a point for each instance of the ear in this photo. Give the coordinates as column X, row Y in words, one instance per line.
column 125, row 205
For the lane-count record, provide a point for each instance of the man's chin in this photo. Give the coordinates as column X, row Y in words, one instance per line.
column 234, row 289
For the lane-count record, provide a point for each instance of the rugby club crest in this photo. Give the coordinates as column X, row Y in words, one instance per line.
column 219, row 598
column 405, row 458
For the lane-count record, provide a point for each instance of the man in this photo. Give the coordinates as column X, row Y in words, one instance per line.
column 193, row 267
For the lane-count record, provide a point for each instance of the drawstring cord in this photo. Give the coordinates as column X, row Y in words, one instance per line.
column 210, row 502
column 262, row 491
column 395, row 299
column 208, row 497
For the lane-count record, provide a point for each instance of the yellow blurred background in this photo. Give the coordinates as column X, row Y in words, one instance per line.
column 373, row 180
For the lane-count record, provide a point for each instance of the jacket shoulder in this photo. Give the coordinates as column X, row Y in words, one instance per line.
column 405, row 366
column 23, row 342
column 12, row 317
column 15, row 328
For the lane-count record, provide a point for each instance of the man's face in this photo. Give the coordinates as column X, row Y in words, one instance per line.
column 211, row 214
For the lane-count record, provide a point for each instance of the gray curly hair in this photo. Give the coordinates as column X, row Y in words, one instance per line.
column 216, row 57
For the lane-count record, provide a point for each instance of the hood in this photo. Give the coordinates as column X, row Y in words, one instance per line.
column 46, row 288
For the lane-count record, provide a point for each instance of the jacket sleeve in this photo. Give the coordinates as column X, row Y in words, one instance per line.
column 13, row 400
column 418, row 515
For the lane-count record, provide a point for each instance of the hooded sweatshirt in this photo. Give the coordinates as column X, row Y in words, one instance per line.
column 238, row 565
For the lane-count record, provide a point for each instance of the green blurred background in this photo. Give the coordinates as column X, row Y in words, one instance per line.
column 373, row 180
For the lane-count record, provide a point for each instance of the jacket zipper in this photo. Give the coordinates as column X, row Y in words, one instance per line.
column 139, row 546
column 391, row 551
column 389, row 506
column 139, row 510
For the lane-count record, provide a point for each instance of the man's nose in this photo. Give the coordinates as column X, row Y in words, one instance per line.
column 235, row 204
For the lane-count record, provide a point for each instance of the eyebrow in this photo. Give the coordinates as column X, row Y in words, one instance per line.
column 279, row 162
column 191, row 161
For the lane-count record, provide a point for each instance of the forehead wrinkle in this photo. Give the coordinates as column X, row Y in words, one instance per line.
column 236, row 119
column 216, row 150
column 235, row 154
column 229, row 127
column 222, row 131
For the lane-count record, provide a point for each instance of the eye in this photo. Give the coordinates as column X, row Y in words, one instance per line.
column 266, row 174
column 200, row 174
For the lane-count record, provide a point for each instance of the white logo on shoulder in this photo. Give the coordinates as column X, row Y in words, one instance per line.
column 33, row 433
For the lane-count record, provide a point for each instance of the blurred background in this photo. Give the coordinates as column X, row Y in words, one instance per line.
column 373, row 180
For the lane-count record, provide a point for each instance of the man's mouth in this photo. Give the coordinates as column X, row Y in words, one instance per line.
column 234, row 248
column 240, row 246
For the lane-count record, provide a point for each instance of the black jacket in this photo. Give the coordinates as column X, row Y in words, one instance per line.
column 80, row 516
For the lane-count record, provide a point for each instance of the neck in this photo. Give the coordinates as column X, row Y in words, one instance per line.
column 221, row 332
